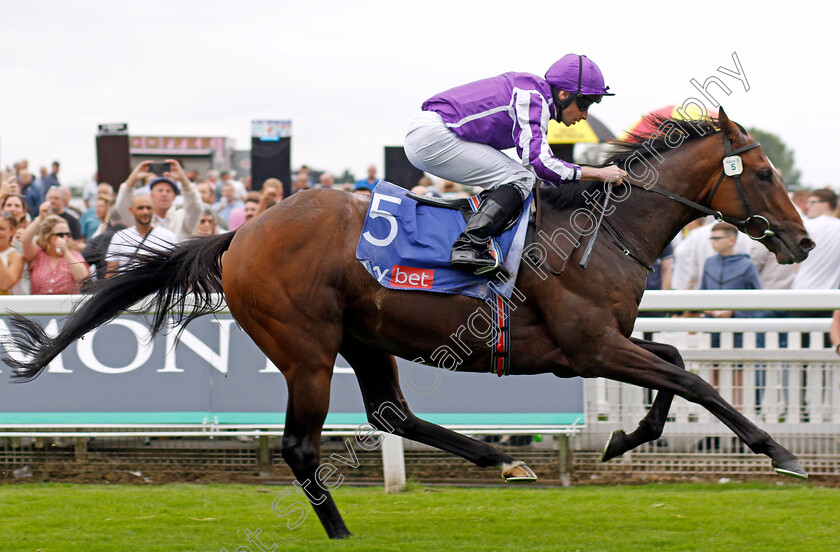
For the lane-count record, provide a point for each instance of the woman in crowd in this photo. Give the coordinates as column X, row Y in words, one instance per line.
column 11, row 262
column 96, row 246
column 16, row 205
column 207, row 224
column 55, row 267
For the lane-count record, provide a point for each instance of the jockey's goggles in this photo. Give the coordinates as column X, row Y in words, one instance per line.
column 583, row 102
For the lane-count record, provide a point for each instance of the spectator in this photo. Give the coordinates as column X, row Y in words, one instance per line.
column 192, row 176
column 208, row 199
column 301, row 181
column 821, row 270
column 363, row 188
column 692, row 252
column 228, row 203
column 55, row 266
column 728, row 269
column 91, row 192
column 11, row 186
column 67, row 197
column 228, row 177
column 207, row 193
column 16, row 205
column 34, row 198
column 240, row 216
column 424, row 191
column 207, row 224
column 371, row 180
column 11, row 267
column 271, row 193
column 800, row 201
column 212, row 178
column 140, row 238
column 771, row 274
column 450, row 189
column 97, row 223
column 42, row 183
column 91, row 220
column 326, row 180
column 54, row 204
column 51, row 179
column 96, row 248
column 163, row 190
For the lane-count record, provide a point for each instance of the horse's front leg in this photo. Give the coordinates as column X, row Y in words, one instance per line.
column 651, row 426
column 620, row 359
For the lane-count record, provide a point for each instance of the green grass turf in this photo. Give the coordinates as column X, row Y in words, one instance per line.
column 734, row 517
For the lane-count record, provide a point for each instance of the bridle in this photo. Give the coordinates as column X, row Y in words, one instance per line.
column 732, row 167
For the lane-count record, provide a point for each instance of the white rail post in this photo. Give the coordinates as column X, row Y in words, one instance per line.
column 393, row 463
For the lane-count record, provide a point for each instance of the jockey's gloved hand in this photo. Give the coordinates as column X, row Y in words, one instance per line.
column 610, row 173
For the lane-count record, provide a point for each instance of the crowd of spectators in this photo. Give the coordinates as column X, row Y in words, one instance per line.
column 50, row 246
column 47, row 247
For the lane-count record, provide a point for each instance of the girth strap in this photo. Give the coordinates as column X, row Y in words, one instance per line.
column 500, row 349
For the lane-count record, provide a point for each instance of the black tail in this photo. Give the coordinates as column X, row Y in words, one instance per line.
column 192, row 269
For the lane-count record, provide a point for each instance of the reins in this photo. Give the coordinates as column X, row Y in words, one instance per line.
column 733, row 167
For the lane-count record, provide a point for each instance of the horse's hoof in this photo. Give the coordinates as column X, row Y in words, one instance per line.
column 615, row 445
column 518, row 472
column 790, row 467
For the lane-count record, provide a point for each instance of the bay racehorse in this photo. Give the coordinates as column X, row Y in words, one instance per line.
column 291, row 279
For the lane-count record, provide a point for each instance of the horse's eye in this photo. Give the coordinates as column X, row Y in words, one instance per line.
column 765, row 174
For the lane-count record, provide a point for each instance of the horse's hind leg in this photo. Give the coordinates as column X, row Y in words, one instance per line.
column 309, row 396
column 651, row 426
column 306, row 358
column 388, row 410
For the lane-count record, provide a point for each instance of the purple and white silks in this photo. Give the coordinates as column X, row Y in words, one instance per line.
column 510, row 110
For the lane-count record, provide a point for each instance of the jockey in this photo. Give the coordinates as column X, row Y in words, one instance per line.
column 460, row 132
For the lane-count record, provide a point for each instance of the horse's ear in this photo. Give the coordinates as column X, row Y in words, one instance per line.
column 727, row 126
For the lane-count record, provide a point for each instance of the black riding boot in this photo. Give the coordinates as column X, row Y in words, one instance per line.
column 471, row 250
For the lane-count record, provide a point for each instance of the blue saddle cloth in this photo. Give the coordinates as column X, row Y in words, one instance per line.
column 406, row 244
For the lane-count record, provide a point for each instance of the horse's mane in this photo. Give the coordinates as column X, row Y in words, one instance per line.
column 634, row 145
column 645, row 144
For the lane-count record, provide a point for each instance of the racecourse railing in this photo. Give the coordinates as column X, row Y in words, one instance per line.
column 781, row 373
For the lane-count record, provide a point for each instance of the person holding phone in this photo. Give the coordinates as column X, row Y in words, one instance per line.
column 11, row 267
column 167, row 181
column 55, row 266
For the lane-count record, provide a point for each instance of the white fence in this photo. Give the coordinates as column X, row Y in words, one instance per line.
column 780, row 373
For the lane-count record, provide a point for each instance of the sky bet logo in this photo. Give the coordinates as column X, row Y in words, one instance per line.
column 410, row 277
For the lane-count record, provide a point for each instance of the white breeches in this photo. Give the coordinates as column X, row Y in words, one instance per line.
column 433, row 148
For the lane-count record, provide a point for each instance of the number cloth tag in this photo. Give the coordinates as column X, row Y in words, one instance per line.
column 732, row 165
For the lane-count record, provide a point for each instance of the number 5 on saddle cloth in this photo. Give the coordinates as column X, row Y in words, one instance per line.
column 405, row 243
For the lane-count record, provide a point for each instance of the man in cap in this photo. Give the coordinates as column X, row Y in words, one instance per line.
column 460, row 134
column 362, row 187
column 162, row 190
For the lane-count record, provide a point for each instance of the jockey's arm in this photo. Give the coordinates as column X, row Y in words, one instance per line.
column 531, row 139
column 610, row 173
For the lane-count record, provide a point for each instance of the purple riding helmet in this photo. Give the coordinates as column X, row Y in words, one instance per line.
column 581, row 78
